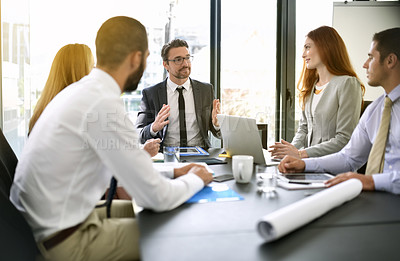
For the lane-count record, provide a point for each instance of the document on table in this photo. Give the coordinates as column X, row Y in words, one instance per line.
column 296, row 186
column 283, row 221
column 166, row 166
column 158, row 158
column 215, row 192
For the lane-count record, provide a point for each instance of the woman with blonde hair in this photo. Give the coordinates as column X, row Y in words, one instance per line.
column 330, row 97
column 71, row 63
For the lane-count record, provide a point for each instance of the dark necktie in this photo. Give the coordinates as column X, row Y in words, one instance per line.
column 182, row 122
column 110, row 196
column 376, row 157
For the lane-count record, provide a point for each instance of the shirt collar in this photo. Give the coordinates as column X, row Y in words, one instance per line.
column 172, row 86
column 107, row 79
column 394, row 94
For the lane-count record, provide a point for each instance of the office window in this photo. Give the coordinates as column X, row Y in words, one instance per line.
column 305, row 22
column 31, row 39
column 164, row 21
column 15, row 75
column 184, row 19
column 248, row 60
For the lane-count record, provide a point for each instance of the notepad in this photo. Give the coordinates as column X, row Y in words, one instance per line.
column 215, row 192
column 158, row 158
column 297, row 186
column 167, row 166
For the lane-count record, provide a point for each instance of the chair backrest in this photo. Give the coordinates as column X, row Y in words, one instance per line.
column 364, row 106
column 16, row 238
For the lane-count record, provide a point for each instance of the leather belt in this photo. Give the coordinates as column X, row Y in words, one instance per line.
column 59, row 237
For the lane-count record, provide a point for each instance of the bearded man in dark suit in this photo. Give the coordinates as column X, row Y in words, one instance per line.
column 179, row 111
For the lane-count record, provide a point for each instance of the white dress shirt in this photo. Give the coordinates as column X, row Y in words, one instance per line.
column 356, row 152
column 317, row 97
column 192, row 128
column 83, row 136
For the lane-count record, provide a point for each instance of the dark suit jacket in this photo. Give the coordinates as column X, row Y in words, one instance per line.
column 153, row 99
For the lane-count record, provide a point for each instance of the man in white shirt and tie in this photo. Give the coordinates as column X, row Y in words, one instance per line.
column 161, row 114
column 83, row 138
column 383, row 170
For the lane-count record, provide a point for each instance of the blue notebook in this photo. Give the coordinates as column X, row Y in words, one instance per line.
column 215, row 192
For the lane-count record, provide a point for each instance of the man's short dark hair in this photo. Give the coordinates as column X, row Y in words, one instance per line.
column 387, row 42
column 173, row 44
column 118, row 37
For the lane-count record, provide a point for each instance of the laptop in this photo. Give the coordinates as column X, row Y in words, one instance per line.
column 240, row 136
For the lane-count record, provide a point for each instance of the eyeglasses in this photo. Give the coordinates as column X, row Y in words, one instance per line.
column 179, row 60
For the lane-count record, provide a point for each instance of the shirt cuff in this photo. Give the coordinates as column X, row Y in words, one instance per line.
column 195, row 181
column 151, row 130
column 168, row 172
column 216, row 128
column 382, row 181
column 310, row 165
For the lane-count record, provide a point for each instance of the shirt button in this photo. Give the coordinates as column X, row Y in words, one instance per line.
column 390, row 166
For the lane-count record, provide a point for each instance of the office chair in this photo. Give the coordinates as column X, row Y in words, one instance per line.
column 9, row 161
column 364, row 106
column 16, row 238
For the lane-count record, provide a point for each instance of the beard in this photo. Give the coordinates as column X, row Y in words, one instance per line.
column 133, row 80
column 183, row 75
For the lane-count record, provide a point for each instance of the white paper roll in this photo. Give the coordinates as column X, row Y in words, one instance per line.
column 285, row 220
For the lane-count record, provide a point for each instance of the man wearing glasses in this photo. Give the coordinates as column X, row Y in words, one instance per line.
column 179, row 111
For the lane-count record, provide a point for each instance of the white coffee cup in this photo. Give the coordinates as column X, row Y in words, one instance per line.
column 242, row 168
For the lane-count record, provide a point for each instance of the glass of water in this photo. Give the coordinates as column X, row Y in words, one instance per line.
column 171, row 154
column 266, row 178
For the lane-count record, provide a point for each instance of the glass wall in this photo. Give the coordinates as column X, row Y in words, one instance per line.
column 16, row 67
column 164, row 21
column 305, row 22
column 33, row 32
column 248, row 60
column 32, row 37
column 184, row 19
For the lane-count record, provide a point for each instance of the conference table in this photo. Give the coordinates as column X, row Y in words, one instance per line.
column 365, row 228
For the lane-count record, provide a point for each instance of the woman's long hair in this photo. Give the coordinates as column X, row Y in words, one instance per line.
column 333, row 54
column 72, row 62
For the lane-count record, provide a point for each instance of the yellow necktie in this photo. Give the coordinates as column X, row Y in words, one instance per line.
column 376, row 157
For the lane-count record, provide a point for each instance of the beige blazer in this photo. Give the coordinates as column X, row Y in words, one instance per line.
column 337, row 113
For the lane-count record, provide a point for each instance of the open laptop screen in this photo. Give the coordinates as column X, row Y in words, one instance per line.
column 240, row 136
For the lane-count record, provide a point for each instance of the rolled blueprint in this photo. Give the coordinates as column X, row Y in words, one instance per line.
column 285, row 220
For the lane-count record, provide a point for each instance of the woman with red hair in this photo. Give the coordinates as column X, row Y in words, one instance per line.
column 330, row 96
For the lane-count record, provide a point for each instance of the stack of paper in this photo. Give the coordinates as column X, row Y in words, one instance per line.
column 289, row 218
column 296, row 186
column 167, row 166
column 158, row 158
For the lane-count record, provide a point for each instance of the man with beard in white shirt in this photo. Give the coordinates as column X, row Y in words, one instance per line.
column 81, row 138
